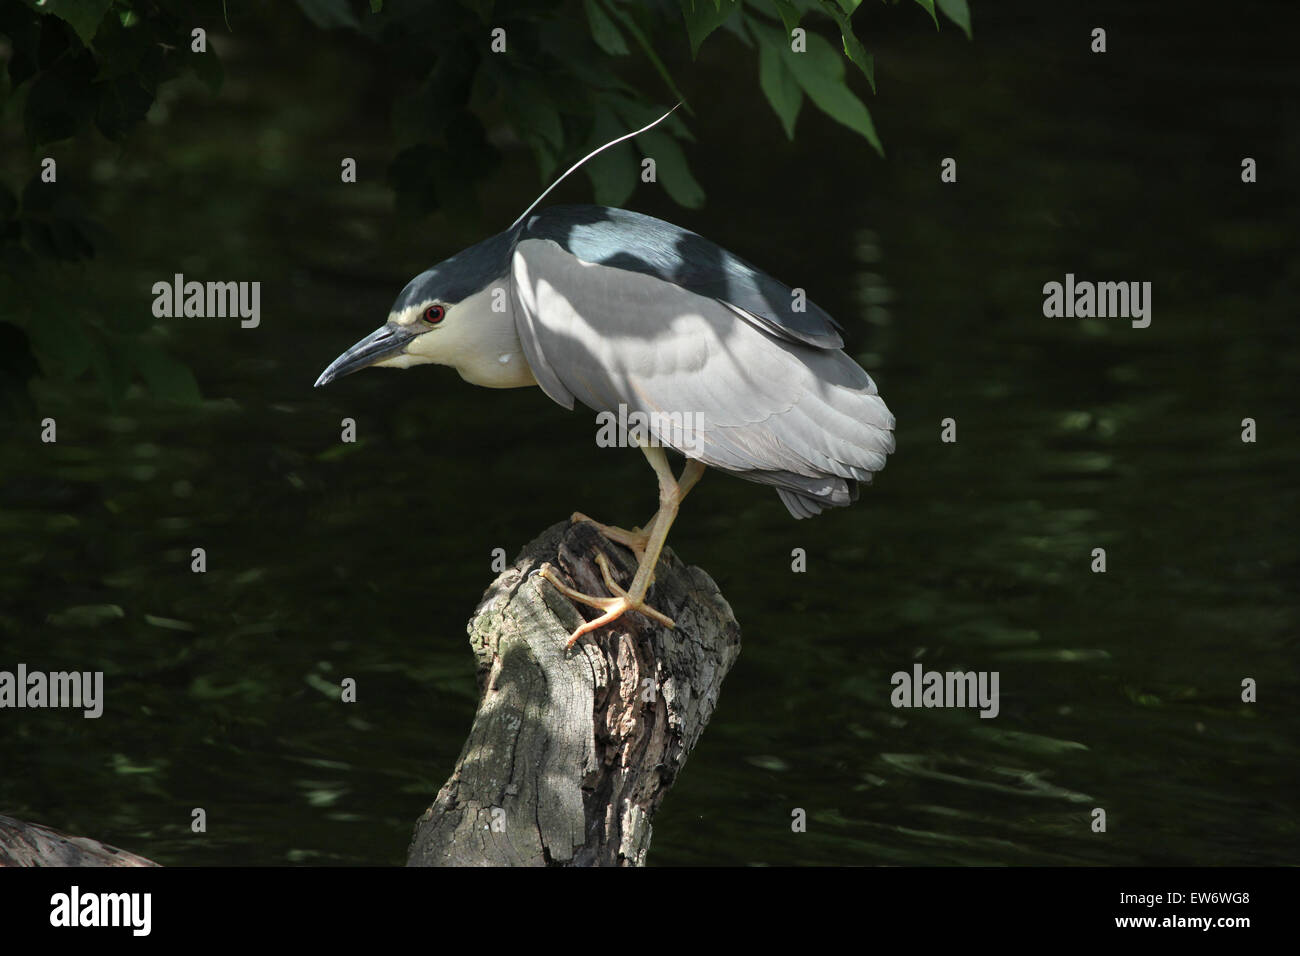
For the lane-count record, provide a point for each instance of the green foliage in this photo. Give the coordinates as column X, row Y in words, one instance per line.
column 84, row 16
column 557, row 87
column 703, row 17
column 642, row 38
column 853, row 47
column 776, row 79
column 789, row 14
column 819, row 73
column 95, row 63
column 81, row 68
column 73, row 335
column 958, row 12
column 604, row 30
column 928, row 6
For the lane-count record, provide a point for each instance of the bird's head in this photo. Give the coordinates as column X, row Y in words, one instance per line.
column 457, row 313
column 460, row 312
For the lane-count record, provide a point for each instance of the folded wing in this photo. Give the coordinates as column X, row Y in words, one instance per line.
column 710, row 380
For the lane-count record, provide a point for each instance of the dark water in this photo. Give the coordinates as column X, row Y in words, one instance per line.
column 1119, row 690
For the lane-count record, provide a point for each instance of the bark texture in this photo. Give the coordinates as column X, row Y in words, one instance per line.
column 30, row 844
column 572, row 750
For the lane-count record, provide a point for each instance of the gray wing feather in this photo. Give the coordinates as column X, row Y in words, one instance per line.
column 638, row 243
column 805, row 420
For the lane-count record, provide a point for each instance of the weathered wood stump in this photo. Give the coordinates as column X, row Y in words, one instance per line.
column 573, row 749
column 30, row 844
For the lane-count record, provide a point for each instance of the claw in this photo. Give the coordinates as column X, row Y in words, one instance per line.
column 636, row 540
column 613, row 607
column 647, row 545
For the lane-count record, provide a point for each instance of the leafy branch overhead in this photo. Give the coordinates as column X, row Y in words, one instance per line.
column 556, row 88
column 792, row 66
column 563, row 92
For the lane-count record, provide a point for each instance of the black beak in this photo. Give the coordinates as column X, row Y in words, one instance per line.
column 385, row 341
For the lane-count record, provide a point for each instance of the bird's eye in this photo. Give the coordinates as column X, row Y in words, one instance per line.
column 434, row 313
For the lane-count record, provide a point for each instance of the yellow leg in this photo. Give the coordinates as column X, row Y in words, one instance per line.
column 671, row 493
column 634, row 540
column 638, row 539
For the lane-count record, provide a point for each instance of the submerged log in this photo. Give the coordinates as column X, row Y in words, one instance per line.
column 573, row 749
column 30, row 844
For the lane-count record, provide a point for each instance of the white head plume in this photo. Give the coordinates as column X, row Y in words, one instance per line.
column 594, row 152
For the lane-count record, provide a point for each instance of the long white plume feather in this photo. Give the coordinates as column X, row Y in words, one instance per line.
column 594, row 152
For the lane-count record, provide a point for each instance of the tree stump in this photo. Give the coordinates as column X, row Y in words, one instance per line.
column 573, row 749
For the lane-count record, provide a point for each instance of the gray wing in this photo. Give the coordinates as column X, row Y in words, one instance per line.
column 634, row 242
column 713, row 385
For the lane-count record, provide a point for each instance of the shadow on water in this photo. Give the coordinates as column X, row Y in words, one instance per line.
column 1119, row 690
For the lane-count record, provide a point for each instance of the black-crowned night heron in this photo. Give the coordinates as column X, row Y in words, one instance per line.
column 636, row 317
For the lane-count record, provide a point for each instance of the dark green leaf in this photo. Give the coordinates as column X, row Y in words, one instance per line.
column 776, row 80
column 853, row 47
column 120, row 48
column 928, row 5
column 703, row 17
column 736, row 27
column 613, row 173
column 820, row 72
column 60, row 100
column 83, row 16
column 789, row 15
column 958, row 12
column 671, row 168
column 639, row 35
column 604, row 30
column 376, row 6
column 570, row 47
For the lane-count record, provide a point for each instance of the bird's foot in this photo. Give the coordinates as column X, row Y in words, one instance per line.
column 613, row 607
column 636, row 540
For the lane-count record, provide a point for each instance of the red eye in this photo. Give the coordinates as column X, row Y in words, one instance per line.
column 434, row 313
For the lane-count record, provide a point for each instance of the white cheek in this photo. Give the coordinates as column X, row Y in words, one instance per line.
column 422, row 350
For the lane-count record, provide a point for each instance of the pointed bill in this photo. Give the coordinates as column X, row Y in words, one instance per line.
column 385, row 342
